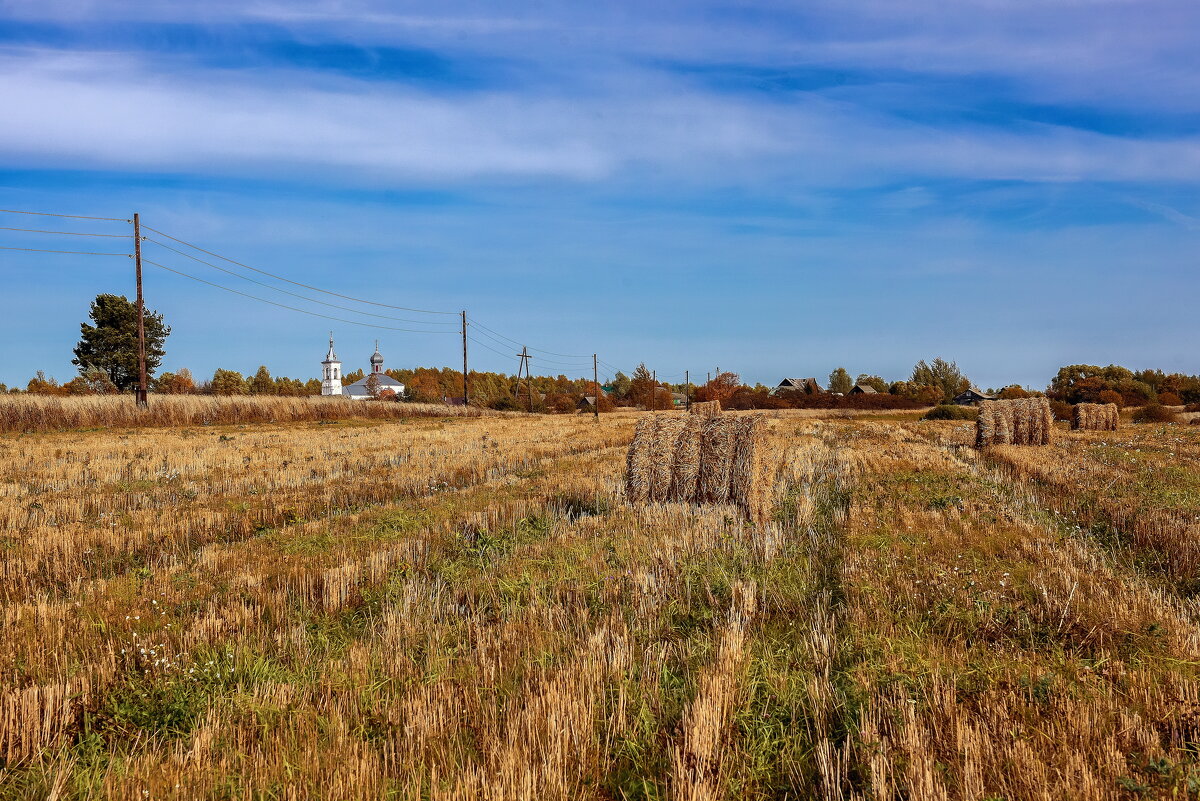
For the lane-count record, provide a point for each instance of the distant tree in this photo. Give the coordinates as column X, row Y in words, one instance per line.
column 621, row 384
column 262, row 383
column 41, row 385
column 227, row 382
column 873, row 381
column 929, row 394
column 1014, row 392
column 941, row 374
column 372, row 385
column 423, row 387
column 561, row 402
column 840, row 381
column 642, row 387
column 350, row 378
column 111, row 344
column 312, row 386
column 180, row 383
column 1169, row 399
column 1110, row 396
column 93, row 382
column 720, row 388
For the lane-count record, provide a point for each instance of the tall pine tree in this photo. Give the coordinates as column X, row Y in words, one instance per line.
column 111, row 344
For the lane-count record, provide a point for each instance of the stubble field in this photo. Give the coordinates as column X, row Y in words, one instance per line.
column 467, row 608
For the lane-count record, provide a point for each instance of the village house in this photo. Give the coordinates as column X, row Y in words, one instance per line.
column 806, row 385
column 971, row 397
column 863, row 389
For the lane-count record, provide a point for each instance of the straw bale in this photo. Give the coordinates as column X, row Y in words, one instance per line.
column 1022, row 420
column 985, row 424
column 1095, row 417
column 685, row 463
column 1047, row 419
column 1004, row 423
column 706, row 408
column 662, row 455
column 638, row 461
column 716, row 459
column 749, row 480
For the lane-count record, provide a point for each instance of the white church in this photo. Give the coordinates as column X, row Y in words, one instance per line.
column 331, row 377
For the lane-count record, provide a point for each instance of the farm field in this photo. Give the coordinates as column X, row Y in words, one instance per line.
column 453, row 608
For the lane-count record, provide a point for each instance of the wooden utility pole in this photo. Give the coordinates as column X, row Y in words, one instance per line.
column 142, row 391
column 596, row 388
column 687, row 390
column 466, row 396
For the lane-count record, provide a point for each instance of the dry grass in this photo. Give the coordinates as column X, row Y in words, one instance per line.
column 40, row 413
column 461, row 609
column 706, row 408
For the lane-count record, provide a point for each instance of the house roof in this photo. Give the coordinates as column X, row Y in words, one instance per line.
column 359, row 387
column 800, row 383
column 866, row 389
column 974, row 391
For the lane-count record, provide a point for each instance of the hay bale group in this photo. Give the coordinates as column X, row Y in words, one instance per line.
column 1095, row 417
column 700, row 460
column 1025, row 421
column 706, row 408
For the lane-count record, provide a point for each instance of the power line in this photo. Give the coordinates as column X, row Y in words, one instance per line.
column 292, row 308
column 540, row 358
column 71, row 252
column 62, row 233
column 489, row 347
column 290, row 281
column 286, row 292
column 67, row 216
column 539, row 350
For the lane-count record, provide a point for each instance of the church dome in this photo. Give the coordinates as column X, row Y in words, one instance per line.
column 376, row 357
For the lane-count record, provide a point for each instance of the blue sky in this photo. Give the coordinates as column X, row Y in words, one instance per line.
column 773, row 188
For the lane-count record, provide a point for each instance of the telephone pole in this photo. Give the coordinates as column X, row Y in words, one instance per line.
column 466, row 396
column 596, row 389
column 687, row 390
column 141, row 396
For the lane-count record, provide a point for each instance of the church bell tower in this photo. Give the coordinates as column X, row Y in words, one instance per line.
column 331, row 374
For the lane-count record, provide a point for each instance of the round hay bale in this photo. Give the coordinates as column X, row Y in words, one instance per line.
column 749, row 480
column 716, row 458
column 662, row 455
column 685, row 463
column 637, row 461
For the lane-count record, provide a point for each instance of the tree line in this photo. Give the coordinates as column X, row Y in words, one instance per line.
column 107, row 361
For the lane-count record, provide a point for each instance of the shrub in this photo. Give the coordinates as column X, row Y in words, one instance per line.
column 1109, row 396
column 1062, row 410
column 948, row 412
column 1192, row 407
column 1154, row 413
column 1170, row 399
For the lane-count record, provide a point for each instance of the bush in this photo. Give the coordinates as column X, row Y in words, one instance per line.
column 1192, row 407
column 1062, row 410
column 1154, row 413
column 948, row 412
column 1170, row 399
column 1108, row 396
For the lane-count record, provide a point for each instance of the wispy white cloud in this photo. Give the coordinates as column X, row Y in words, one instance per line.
column 113, row 112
